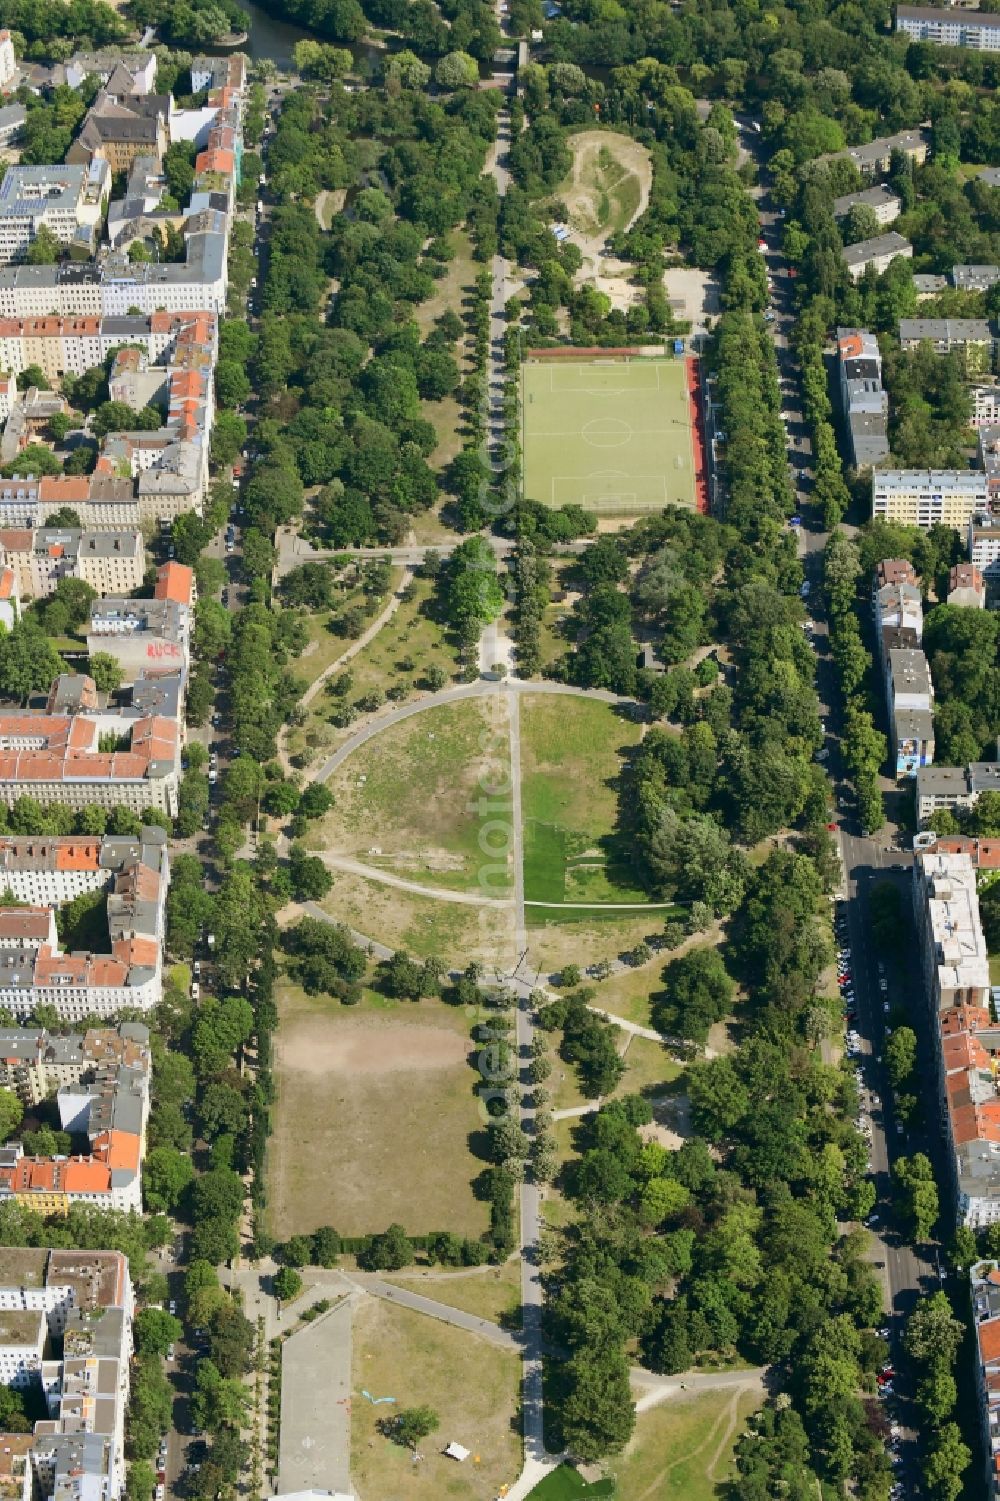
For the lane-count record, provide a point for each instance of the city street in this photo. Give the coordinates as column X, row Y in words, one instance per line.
column 866, row 860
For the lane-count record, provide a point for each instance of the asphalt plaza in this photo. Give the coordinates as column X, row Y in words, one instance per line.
column 612, row 435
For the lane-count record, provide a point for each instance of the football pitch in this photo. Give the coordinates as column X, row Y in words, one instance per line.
column 613, row 436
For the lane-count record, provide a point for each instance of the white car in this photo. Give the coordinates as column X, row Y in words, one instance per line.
column 806, row 589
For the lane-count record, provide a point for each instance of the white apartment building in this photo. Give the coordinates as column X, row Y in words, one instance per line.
column 973, row 337
column 883, row 203
column 22, row 1348
column 77, row 1453
column 954, row 27
column 69, row 201
column 878, row 253
column 8, row 62
column 923, row 497
column 952, row 945
column 985, row 406
column 48, row 872
column 954, row 787
column 983, row 541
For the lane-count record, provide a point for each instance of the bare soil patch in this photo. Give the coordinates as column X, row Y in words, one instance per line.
column 363, row 1049
column 374, row 1118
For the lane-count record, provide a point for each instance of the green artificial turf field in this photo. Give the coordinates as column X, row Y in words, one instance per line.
column 611, row 435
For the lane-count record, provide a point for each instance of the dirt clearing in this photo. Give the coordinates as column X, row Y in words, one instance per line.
column 375, row 1109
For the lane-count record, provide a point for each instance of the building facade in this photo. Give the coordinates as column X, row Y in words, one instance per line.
column 927, row 497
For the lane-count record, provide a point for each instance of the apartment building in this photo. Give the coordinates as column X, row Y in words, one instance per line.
column 985, row 406
column 966, row 587
column 926, row 285
column 974, row 338
column 84, row 1298
column 974, row 278
column 72, row 345
column 22, row 1349
column 876, row 254
column 68, row 200
column 954, row 787
column 49, row 870
column 111, row 562
column 10, row 602
column 147, row 635
column 102, row 1091
column 875, row 157
column 863, row 398
column 8, row 62
column 911, row 711
column 135, row 874
column 988, row 443
column 13, row 118
column 58, row 759
column 983, row 541
column 953, row 27
column 219, row 73
column 984, row 1278
column 116, row 287
column 883, row 203
column 119, row 128
column 923, row 497
column 983, row 852
column 132, row 72
column 957, row 980
column 79, row 1068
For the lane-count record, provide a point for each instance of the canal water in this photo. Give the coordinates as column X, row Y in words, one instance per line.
column 273, row 38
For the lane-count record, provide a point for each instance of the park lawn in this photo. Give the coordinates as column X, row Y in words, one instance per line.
column 648, row 1065
column 430, row 531
column 412, row 635
column 454, row 288
column 566, row 1484
column 472, row 1386
column 995, row 969
column 628, row 992
column 374, row 1110
column 180, row 974
column 413, row 794
column 325, row 647
column 682, row 1450
column 448, row 420
column 492, row 1293
column 572, row 754
column 423, row 926
column 648, row 1068
column 564, row 1133
column 554, row 943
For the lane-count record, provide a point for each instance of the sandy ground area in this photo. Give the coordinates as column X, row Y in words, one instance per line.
column 694, row 294
column 353, row 1050
column 373, row 1123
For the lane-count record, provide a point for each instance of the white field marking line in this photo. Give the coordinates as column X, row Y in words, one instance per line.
column 577, row 432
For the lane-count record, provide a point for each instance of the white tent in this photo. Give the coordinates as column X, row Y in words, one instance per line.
column 457, row 1451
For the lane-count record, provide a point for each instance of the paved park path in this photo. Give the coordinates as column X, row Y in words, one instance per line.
column 657, row 1389
column 482, row 688
column 401, row 883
